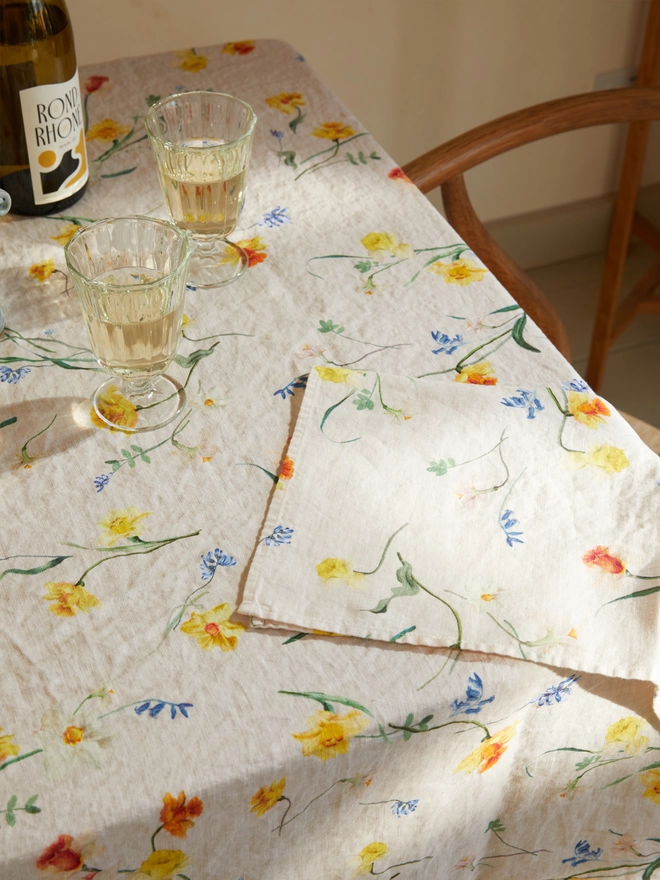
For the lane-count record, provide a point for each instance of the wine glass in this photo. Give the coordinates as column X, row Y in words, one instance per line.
column 130, row 276
column 202, row 142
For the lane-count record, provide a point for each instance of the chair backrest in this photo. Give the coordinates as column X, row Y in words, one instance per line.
column 445, row 165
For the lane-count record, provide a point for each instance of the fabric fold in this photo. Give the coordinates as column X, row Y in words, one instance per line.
column 520, row 522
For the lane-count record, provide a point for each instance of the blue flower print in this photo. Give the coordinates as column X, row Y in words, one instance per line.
column 446, row 344
column 507, row 524
column 279, row 535
column 473, row 702
column 155, row 707
column 524, row 400
column 298, row 382
column 404, row 808
column 575, row 385
column 583, row 854
column 556, row 693
column 191, row 287
column 211, row 561
column 48, row 332
column 13, row 376
column 277, row 134
column 101, row 482
column 277, row 217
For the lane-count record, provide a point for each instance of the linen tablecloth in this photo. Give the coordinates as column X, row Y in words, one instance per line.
column 146, row 728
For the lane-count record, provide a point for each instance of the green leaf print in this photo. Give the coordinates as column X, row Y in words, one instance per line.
column 517, row 334
column 409, row 587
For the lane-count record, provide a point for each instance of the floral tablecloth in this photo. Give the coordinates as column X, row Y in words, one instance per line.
column 147, row 728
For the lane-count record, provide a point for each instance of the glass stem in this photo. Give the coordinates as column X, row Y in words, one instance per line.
column 138, row 387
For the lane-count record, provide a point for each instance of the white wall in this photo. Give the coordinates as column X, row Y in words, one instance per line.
column 418, row 72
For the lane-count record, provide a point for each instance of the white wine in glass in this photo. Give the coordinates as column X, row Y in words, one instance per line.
column 202, row 142
column 130, row 275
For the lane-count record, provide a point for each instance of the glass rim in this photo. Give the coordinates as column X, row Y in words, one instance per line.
column 107, row 285
column 171, row 145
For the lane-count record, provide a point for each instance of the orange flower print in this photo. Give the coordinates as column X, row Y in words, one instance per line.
column 177, row 815
column 589, row 411
column 651, row 779
column 477, row 374
column 333, row 131
column 287, row 470
column 8, row 749
column 66, row 233
column 267, row 797
column 106, row 130
column 69, row 599
column 399, row 174
column 41, row 271
column 488, row 753
column 600, row 558
column 242, row 47
column 254, row 248
column 286, row 101
column 65, row 856
column 94, row 83
column 192, row 62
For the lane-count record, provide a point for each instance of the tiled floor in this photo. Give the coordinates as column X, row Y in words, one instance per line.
column 632, row 380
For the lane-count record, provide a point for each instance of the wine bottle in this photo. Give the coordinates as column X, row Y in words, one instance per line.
column 43, row 162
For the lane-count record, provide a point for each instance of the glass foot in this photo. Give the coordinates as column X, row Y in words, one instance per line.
column 215, row 261
column 140, row 405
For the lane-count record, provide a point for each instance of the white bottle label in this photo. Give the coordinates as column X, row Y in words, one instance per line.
column 55, row 135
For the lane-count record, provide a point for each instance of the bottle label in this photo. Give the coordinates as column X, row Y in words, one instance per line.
column 55, row 136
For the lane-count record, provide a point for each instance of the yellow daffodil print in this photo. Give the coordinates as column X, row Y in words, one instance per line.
column 626, row 732
column 333, row 569
column 286, row 101
column 120, row 524
column 66, row 233
column 214, row 629
column 240, row 47
column 191, row 61
column 370, row 854
column 330, row 734
column 255, row 248
column 116, row 409
column 267, row 796
column 461, row 271
column 68, row 599
column 163, row 864
column 488, row 753
column 8, row 749
column 478, row 374
column 610, row 459
column 589, row 411
column 107, row 130
column 338, row 375
column 41, row 271
column 376, row 243
column 651, row 779
column 333, row 131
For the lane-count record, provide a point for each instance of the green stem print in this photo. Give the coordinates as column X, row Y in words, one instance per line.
column 410, row 586
column 548, row 639
column 53, row 561
column 338, row 330
column 330, row 155
column 496, row 828
column 45, row 353
column 384, row 553
column 284, row 821
column 18, row 758
column 515, row 332
column 11, row 809
column 399, row 865
column 140, row 454
column 441, row 467
column 142, row 548
column 364, row 402
column 10, row 421
column 409, row 727
column 25, row 456
column 122, row 141
column 371, row 266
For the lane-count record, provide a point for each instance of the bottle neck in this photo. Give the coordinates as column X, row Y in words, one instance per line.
column 31, row 21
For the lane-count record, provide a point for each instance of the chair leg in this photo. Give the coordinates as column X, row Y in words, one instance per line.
column 617, row 250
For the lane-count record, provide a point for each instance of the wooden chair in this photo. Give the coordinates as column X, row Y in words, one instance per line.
column 445, row 166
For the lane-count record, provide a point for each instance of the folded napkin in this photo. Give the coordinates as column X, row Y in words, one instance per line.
column 467, row 516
